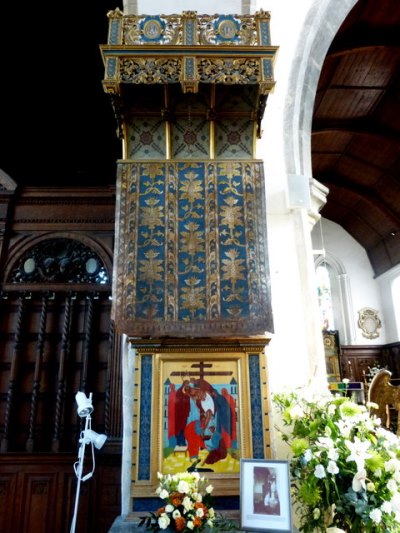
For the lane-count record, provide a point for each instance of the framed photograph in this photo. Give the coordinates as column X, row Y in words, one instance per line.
column 265, row 503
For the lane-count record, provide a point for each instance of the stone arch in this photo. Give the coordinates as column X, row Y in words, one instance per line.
column 341, row 296
column 6, row 182
column 320, row 26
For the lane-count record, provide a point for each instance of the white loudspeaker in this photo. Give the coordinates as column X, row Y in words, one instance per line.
column 299, row 191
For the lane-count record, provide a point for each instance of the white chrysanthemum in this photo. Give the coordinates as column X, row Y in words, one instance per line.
column 332, row 467
column 190, row 524
column 183, row 486
column 187, row 503
column 209, row 489
column 197, row 497
column 392, row 486
column 376, row 516
column 395, row 502
column 200, row 512
column 211, row 512
column 159, row 475
column 176, row 514
column 386, row 507
column 316, row 513
column 164, row 494
column 393, row 465
column 163, row 521
column 169, row 508
column 319, row 472
column 371, row 487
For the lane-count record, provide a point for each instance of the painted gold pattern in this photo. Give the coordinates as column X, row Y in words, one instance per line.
column 191, row 250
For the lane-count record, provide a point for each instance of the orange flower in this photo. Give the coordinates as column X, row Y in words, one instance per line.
column 176, row 498
column 180, row 523
column 160, row 511
column 197, row 521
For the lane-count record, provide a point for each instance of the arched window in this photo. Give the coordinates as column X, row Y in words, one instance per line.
column 396, row 301
column 334, row 298
column 325, row 296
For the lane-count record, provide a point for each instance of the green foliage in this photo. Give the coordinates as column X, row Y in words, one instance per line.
column 344, row 466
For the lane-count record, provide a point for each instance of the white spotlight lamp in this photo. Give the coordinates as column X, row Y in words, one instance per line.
column 91, row 437
column 85, row 406
column 88, row 436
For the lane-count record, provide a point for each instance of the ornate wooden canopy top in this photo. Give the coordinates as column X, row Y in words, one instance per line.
column 189, row 50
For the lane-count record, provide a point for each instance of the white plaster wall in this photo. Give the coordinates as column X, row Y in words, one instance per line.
column 365, row 289
column 385, row 282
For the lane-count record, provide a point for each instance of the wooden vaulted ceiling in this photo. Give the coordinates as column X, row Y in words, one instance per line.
column 356, row 130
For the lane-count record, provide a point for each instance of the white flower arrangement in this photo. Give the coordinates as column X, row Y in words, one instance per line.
column 187, row 504
column 345, row 468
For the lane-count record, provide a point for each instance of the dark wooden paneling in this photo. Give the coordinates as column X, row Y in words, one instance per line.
column 37, row 494
column 355, row 360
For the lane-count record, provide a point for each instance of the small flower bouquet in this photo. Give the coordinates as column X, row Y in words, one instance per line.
column 345, row 468
column 187, row 504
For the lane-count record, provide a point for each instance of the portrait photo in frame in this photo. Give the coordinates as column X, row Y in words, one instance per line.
column 265, row 502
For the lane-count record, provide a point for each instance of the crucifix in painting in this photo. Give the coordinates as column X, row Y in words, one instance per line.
column 201, row 417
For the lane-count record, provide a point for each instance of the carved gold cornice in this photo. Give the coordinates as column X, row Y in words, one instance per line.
column 188, row 49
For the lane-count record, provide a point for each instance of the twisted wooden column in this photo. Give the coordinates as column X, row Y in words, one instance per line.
column 13, row 374
column 61, row 378
column 37, row 372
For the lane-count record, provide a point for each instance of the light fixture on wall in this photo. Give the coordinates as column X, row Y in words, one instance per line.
column 87, row 437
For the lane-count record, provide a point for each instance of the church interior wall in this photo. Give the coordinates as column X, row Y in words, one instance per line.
column 365, row 289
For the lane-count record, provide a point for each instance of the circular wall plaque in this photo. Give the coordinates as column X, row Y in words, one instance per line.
column 152, row 29
column 227, row 29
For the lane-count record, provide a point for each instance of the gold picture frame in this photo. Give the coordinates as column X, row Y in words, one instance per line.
column 166, row 432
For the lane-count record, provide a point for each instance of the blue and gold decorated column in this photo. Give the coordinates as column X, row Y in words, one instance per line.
column 191, row 284
column 189, row 92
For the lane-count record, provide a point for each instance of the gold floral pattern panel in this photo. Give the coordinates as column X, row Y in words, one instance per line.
column 191, row 250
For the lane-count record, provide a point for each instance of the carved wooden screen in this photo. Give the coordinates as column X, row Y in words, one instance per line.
column 56, row 338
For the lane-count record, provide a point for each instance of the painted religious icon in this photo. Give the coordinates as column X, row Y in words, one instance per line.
column 201, row 430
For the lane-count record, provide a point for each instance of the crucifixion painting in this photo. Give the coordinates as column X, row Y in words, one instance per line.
column 201, row 429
